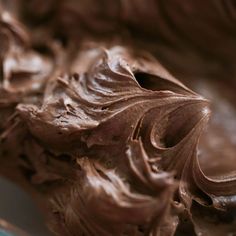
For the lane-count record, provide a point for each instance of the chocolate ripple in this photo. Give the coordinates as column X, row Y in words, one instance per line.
column 104, row 137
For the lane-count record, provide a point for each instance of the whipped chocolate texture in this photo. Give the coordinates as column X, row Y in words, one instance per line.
column 101, row 135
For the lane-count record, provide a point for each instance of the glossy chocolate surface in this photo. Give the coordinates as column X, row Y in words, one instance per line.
column 101, row 134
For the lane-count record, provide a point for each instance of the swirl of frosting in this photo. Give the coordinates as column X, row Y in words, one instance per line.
column 100, row 202
column 111, row 144
column 23, row 71
column 109, row 77
column 118, row 97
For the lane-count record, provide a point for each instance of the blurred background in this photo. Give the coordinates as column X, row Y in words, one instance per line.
column 17, row 207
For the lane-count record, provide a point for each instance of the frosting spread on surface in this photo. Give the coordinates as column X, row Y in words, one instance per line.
column 183, row 41
column 108, row 140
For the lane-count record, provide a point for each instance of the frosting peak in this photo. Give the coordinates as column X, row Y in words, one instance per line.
column 140, row 123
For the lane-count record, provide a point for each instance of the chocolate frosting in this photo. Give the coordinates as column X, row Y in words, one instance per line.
column 104, row 137
column 178, row 34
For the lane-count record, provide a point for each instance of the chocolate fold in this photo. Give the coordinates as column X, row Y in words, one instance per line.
column 104, row 138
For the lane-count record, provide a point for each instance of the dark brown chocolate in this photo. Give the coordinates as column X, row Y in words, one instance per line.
column 103, row 137
column 193, row 38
